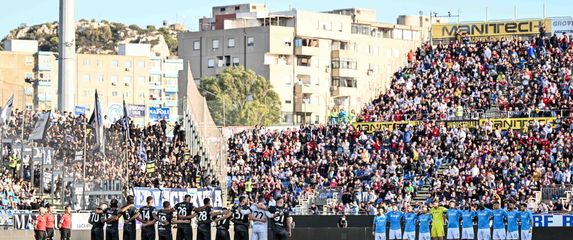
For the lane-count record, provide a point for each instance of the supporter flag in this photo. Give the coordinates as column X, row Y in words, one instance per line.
column 6, row 111
column 125, row 122
column 98, row 126
column 141, row 153
column 150, row 167
column 41, row 127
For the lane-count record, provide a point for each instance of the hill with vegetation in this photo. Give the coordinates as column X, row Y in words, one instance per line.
column 101, row 37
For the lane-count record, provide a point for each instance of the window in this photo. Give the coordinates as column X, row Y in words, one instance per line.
column 29, row 75
column 127, row 80
column 127, row 64
column 215, row 44
column 327, row 26
column 211, row 63
column 29, row 61
column 142, row 64
column 223, row 9
column 227, row 61
column 114, row 63
column 98, row 63
column 250, row 41
column 126, row 94
column 141, row 80
column 231, row 43
column 196, row 45
column 343, row 63
column 113, row 80
column 99, row 78
column 114, row 93
column 344, row 82
column 142, row 94
column 86, row 77
column 86, row 62
column 236, row 61
column 237, row 8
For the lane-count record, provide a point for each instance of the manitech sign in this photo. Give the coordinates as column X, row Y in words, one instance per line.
column 484, row 29
column 175, row 195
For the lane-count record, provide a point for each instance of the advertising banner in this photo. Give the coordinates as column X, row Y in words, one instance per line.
column 503, row 123
column 562, row 25
column 136, row 110
column 175, row 195
column 491, row 29
column 158, row 113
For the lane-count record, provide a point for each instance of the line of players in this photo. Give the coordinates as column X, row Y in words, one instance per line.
column 431, row 225
column 182, row 213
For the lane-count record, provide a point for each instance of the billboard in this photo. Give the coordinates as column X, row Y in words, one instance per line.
column 490, row 29
column 562, row 25
column 158, row 113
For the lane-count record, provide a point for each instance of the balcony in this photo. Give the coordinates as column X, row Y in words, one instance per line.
column 171, row 89
column 307, row 51
column 340, row 53
column 343, row 91
column 311, row 108
column 343, row 72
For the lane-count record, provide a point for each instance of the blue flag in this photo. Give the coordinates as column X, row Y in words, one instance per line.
column 141, row 152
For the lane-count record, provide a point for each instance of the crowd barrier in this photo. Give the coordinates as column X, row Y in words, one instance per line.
column 503, row 123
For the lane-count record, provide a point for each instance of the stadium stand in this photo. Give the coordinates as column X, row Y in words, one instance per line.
column 422, row 158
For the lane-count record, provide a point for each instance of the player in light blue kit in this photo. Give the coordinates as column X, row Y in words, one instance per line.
column 454, row 216
column 424, row 219
column 395, row 218
column 410, row 219
column 484, row 215
column 512, row 226
column 379, row 225
column 526, row 220
column 468, row 216
column 499, row 216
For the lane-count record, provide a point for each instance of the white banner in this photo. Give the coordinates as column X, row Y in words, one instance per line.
column 561, row 25
column 175, row 195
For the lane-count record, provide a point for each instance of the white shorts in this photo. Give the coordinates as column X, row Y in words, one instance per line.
column 395, row 234
column 379, row 236
column 484, row 234
column 512, row 235
column 467, row 233
column 525, row 235
column 453, row 233
column 409, row 236
column 499, row 234
column 260, row 232
column 424, row 236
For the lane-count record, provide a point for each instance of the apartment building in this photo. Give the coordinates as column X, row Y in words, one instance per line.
column 16, row 65
column 147, row 83
column 316, row 61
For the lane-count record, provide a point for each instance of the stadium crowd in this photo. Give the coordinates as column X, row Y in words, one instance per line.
column 521, row 78
column 174, row 165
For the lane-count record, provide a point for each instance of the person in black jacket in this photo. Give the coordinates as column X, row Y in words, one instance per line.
column 280, row 220
column 130, row 213
column 222, row 224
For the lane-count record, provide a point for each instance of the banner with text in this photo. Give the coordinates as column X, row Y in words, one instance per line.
column 490, row 29
column 136, row 110
column 175, row 195
column 503, row 123
column 158, row 113
column 562, row 25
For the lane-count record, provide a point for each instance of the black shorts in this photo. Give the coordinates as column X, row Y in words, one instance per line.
column 184, row 233
column 111, row 234
column 128, row 232
column 148, row 234
column 241, row 235
column 280, row 234
column 97, row 233
column 204, row 233
column 165, row 236
column 65, row 233
column 39, row 234
column 222, row 234
column 49, row 233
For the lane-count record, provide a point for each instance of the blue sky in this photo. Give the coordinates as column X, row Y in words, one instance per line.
column 145, row 12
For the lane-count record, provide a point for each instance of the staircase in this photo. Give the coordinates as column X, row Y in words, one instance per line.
column 425, row 191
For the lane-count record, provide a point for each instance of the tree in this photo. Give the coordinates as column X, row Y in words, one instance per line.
column 246, row 98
